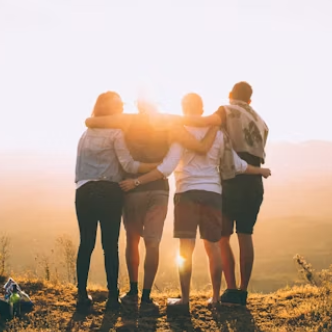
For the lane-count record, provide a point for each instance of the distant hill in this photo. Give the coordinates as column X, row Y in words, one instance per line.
column 311, row 159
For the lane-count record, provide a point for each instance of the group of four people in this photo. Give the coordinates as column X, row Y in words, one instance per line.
column 123, row 162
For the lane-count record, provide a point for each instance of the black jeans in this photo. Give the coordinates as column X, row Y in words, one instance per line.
column 99, row 201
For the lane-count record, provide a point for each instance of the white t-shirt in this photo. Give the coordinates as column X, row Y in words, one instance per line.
column 198, row 171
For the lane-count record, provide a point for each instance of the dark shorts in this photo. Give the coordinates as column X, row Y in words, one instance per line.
column 242, row 198
column 197, row 208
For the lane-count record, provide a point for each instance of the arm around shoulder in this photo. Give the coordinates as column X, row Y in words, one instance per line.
column 202, row 121
column 117, row 121
column 187, row 140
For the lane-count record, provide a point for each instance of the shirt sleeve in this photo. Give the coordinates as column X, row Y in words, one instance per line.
column 221, row 112
column 125, row 159
column 171, row 160
column 240, row 165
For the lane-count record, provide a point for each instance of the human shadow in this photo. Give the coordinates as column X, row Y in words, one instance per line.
column 133, row 319
column 109, row 321
column 148, row 322
column 129, row 318
column 77, row 319
column 178, row 321
column 234, row 319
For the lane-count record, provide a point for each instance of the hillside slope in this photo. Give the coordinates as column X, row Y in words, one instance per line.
column 297, row 309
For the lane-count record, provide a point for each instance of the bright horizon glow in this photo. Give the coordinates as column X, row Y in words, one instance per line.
column 58, row 56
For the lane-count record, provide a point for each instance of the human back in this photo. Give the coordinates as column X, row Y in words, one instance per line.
column 200, row 171
column 96, row 157
column 145, row 143
column 244, row 126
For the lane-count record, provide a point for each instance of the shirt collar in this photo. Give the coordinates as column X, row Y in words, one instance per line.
column 236, row 102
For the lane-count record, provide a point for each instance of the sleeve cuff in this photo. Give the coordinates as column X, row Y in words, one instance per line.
column 136, row 165
column 161, row 169
column 244, row 166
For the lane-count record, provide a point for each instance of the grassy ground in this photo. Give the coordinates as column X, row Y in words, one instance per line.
column 304, row 308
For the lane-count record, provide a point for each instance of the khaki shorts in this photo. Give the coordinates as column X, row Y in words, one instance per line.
column 145, row 213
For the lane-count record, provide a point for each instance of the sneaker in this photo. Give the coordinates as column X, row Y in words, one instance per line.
column 129, row 298
column 176, row 306
column 148, row 306
column 231, row 297
column 243, row 297
column 212, row 304
column 84, row 300
column 112, row 303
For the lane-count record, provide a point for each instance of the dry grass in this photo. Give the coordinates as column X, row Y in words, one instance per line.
column 305, row 308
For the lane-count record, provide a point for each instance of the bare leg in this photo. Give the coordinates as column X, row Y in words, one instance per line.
column 246, row 258
column 228, row 263
column 151, row 262
column 213, row 252
column 132, row 255
column 186, row 251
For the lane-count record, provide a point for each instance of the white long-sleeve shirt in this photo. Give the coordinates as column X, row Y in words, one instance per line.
column 195, row 171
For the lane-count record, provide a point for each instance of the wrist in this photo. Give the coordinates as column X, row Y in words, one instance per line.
column 137, row 182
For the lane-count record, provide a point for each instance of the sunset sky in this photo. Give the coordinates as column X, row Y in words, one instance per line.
column 57, row 56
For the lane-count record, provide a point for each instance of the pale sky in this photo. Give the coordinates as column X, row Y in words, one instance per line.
column 56, row 56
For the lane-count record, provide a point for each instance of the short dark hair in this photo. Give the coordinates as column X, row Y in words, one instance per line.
column 242, row 91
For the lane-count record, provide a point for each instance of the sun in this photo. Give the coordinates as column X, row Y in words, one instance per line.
column 179, row 260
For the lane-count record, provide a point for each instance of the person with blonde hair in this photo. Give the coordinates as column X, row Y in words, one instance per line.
column 102, row 158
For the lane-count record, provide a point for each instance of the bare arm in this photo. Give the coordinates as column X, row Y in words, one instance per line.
column 216, row 119
column 254, row 170
column 119, row 121
column 186, row 139
column 145, row 168
column 202, row 121
column 169, row 120
column 242, row 166
column 163, row 170
column 153, row 175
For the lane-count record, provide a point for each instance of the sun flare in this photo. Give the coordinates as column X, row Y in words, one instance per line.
column 179, row 260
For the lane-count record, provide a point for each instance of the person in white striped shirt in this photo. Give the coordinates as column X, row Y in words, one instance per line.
column 197, row 200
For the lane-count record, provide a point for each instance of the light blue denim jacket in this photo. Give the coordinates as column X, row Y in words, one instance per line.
column 102, row 154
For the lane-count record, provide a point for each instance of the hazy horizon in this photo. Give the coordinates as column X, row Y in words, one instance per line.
column 296, row 215
column 57, row 56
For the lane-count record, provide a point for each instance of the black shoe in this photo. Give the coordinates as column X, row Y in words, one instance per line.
column 84, row 300
column 231, row 297
column 243, row 297
column 130, row 298
column 113, row 304
column 149, row 307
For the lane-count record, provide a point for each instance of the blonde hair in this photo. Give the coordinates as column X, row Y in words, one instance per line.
column 102, row 106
